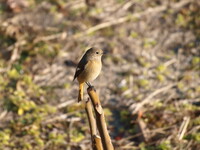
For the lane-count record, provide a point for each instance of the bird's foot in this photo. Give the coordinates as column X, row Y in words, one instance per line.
column 88, row 83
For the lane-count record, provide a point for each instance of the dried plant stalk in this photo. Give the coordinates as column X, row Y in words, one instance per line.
column 97, row 143
column 100, row 119
column 183, row 127
column 96, row 140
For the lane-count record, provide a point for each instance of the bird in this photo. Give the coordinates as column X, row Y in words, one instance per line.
column 88, row 68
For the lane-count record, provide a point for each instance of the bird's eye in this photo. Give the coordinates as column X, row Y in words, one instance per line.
column 97, row 52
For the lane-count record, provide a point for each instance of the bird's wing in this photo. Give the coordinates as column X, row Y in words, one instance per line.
column 80, row 67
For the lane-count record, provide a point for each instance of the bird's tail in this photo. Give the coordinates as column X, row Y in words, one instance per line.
column 80, row 94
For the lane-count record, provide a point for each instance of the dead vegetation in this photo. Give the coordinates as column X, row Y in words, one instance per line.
column 149, row 85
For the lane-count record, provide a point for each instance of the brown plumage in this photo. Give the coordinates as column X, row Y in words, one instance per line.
column 88, row 68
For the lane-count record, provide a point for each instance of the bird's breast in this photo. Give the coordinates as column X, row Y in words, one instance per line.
column 91, row 71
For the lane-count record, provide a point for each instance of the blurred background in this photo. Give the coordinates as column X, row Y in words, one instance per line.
column 149, row 85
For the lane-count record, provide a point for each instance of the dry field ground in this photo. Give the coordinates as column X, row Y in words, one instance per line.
column 149, row 85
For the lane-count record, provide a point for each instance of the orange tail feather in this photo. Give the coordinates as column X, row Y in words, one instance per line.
column 80, row 94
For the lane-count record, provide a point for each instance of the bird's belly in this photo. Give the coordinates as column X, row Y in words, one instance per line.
column 91, row 71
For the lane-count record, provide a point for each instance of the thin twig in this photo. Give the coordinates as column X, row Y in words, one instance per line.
column 134, row 16
column 3, row 114
column 183, row 127
column 64, row 104
column 63, row 117
column 61, row 35
column 136, row 106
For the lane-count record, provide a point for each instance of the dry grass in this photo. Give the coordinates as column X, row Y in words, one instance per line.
column 149, row 85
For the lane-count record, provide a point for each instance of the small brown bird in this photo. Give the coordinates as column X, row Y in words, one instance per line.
column 88, row 68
